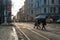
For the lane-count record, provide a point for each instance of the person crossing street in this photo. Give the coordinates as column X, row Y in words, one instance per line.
column 43, row 24
column 37, row 24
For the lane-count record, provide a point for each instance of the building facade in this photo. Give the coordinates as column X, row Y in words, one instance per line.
column 34, row 8
column 21, row 15
column 50, row 8
column 5, row 10
column 29, row 9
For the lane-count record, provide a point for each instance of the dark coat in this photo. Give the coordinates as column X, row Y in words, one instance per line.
column 44, row 22
column 37, row 23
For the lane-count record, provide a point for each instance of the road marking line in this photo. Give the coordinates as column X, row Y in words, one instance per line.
column 35, row 33
column 39, row 34
column 15, row 34
column 25, row 34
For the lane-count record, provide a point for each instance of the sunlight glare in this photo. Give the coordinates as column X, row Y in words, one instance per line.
column 16, row 5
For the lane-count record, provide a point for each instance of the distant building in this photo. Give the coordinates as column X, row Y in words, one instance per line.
column 21, row 15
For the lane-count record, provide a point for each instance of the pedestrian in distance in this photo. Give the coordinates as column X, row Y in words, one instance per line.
column 43, row 24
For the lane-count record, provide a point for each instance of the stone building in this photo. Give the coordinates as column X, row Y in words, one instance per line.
column 29, row 9
column 21, row 15
column 34, row 8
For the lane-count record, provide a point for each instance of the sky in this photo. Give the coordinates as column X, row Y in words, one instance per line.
column 16, row 5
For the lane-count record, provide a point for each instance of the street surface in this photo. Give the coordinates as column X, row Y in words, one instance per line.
column 27, row 32
column 8, row 33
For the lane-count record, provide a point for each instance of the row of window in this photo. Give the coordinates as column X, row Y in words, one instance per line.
column 52, row 10
column 45, row 1
column 52, row 1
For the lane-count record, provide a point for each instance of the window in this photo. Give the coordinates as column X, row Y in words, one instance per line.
column 51, row 9
column 54, row 9
column 59, row 1
column 52, row 1
column 59, row 9
column 31, row 0
column 40, row 1
column 37, row 3
column 44, row 1
column 44, row 10
column 31, row 11
column 31, row 5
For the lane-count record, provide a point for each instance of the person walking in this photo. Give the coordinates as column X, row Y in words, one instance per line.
column 37, row 24
column 43, row 24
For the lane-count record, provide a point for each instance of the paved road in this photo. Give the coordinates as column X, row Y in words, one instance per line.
column 34, row 34
column 8, row 33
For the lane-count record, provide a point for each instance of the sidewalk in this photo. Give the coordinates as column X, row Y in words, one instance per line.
column 8, row 33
